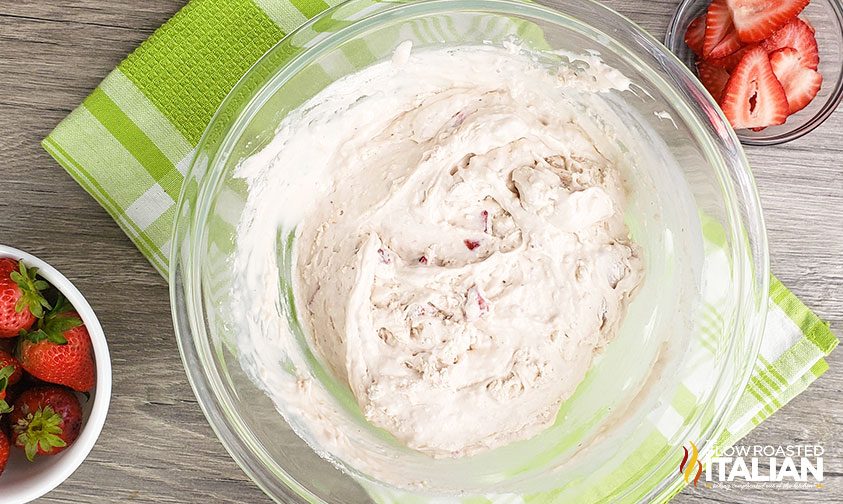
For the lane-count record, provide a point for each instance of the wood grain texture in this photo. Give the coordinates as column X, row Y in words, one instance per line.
column 156, row 445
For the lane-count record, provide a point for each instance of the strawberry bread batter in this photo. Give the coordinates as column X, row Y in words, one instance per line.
column 460, row 252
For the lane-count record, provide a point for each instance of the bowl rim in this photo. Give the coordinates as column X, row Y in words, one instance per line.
column 675, row 38
column 71, row 458
column 752, row 310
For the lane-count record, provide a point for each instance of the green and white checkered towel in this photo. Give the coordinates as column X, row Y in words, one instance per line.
column 132, row 139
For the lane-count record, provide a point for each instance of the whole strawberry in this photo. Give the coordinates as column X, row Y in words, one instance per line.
column 21, row 301
column 59, row 350
column 4, row 451
column 45, row 421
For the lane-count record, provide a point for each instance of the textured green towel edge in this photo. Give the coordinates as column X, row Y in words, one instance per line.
column 814, row 328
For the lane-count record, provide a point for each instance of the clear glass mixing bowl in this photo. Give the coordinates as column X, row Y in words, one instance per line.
column 685, row 351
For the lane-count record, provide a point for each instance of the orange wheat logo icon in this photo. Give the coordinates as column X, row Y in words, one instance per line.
column 688, row 467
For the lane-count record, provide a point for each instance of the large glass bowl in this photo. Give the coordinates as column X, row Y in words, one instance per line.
column 684, row 353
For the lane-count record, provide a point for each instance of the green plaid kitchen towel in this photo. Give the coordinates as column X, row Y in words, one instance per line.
column 131, row 141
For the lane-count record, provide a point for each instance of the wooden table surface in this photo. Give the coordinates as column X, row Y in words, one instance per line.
column 156, row 445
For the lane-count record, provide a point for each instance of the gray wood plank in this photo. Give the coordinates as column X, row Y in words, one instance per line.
column 53, row 53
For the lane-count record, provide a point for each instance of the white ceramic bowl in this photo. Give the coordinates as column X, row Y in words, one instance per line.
column 22, row 480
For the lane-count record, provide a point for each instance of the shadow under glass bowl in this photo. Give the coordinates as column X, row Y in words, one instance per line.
column 826, row 16
column 693, row 331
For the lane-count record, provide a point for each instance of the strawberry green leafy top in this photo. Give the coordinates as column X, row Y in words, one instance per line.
column 52, row 326
column 41, row 429
column 31, row 287
column 5, row 373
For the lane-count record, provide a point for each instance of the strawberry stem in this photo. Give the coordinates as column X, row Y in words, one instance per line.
column 30, row 286
column 54, row 324
column 39, row 430
column 5, row 373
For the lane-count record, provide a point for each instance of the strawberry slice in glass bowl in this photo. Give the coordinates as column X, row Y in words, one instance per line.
column 823, row 17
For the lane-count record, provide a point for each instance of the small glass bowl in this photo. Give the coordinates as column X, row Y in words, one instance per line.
column 826, row 16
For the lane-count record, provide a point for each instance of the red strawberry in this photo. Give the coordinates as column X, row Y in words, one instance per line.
column 695, row 36
column 46, row 420
column 721, row 39
column 756, row 20
column 4, row 451
column 60, row 350
column 753, row 97
column 800, row 84
column 731, row 61
column 20, row 297
column 713, row 78
column 799, row 35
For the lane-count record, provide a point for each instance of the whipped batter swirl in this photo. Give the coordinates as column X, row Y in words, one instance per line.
column 462, row 255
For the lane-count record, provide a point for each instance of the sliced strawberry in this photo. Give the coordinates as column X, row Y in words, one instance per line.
column 799, row 35
column 713, row 78
column 731, row 61
column 753, row 97
column 721, row 39
column 800, row 84
column 756, row 20
column 695, row 36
